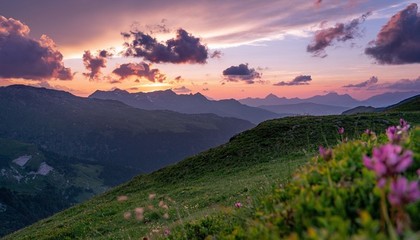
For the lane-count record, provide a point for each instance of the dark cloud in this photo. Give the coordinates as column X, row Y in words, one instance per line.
column 398, row 42
column 179, row 79
column 241, row 73
column 340, row 32
column 176, row 80
column 182, row 89
column 299, row 80
column 158, row 28
column 24, row 57
column 141, row 70
column 95, row 63
column 372, row 81
column 216, row 54
column 184, row 48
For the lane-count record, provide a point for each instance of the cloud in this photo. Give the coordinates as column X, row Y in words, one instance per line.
column 299, row 80
column 372, row 81
column 400, row 85
column 48, row 85
column 184, row 48
column 24, row 57
column 176, row 80
column 398, row 42
column 95, row 63
column 340, row 32
column 182, row 89
column 205, row 89
column 141, row 70
column 241, row 73
column 216, row 54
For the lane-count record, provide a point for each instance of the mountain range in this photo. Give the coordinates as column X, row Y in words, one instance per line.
column 186, row 103
column 238, row 189
column 344, row 100
column 254, row 110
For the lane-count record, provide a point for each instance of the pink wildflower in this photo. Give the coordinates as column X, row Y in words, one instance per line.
column 238, row 204
column 325, row 153
column 403, row 192
column 388, row 160
column 167, row 232
column 397, row 133
column 404, row 125
column 341, row 131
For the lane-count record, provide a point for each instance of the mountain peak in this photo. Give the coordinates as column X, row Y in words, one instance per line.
column 271, row 97
column 118, row 90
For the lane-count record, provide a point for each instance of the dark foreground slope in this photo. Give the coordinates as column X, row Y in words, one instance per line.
column 210, row 182
column 409, row 104
column 35, row 183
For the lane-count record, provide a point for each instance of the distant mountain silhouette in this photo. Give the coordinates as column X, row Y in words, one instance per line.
column 305, row 109
column 186, row 103
column 333, row 99
column 387, row 99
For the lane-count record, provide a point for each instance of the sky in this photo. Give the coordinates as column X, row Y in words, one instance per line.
column 221, row 48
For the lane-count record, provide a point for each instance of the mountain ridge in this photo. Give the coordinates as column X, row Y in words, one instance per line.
column 343, row 100
column 187, row 103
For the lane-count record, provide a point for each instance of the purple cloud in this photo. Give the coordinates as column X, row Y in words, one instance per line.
column 400, row 85
column 182, row 89
column 241, row 73
column 340, row 32
column 299, row 80
column 24, row 57
column 372, row 81
column 398, row 42
column 94, row 64
column 141, row 70
column 184, row 48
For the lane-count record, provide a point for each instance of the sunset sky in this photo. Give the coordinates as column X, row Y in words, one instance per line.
column 221, row 48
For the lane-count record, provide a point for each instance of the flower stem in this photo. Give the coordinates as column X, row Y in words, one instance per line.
column 384, row 210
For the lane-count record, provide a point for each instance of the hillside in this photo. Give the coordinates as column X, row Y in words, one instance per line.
column 246, row 167
column 186, row 103
column 410, row 104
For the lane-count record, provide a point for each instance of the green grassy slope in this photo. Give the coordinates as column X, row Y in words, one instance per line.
column 246, row 167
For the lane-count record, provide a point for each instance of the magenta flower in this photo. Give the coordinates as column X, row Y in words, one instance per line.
column 418, row 172
column 388, row 160
column 167, row 232
column 393, row 134
column 238, row 204
column 403, row 192
column 397, row 133
column 341, row 131
column 325, row 153
column 404, row 125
